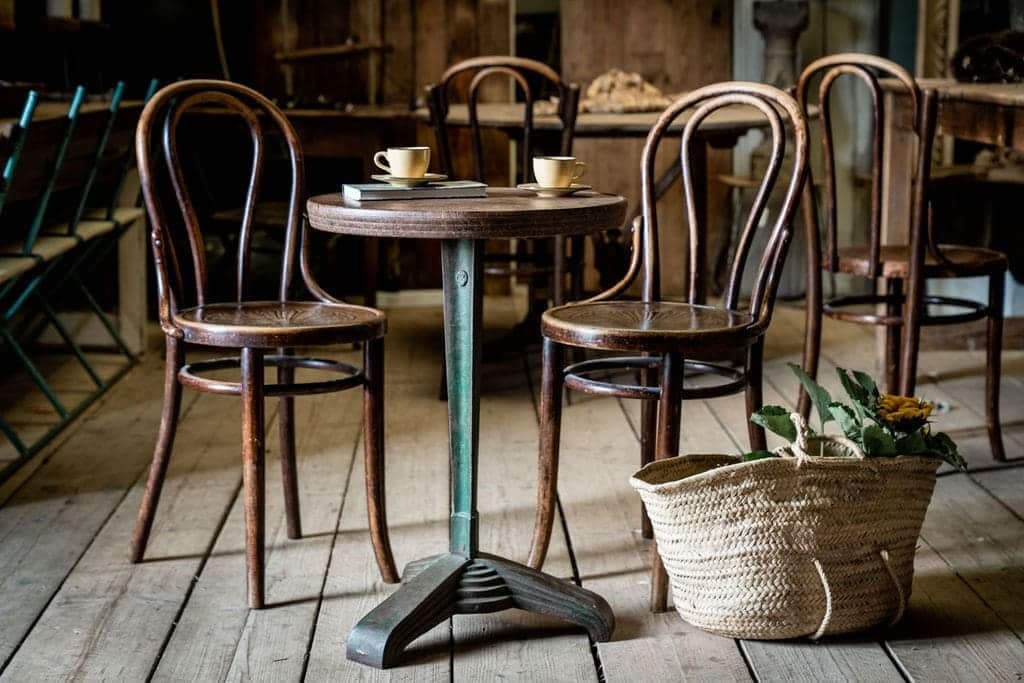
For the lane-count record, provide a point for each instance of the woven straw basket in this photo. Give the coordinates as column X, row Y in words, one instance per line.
column 820, row 541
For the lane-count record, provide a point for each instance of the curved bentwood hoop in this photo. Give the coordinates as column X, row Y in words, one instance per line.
column 663, row 339
column 251, row 327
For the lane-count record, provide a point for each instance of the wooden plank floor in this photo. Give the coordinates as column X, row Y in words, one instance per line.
column 72, row 607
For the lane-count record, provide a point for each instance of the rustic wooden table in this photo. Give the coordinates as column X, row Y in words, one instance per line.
column 464, row 580
column 990, row 113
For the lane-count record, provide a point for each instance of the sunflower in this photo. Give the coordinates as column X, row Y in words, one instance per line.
column 904, row 413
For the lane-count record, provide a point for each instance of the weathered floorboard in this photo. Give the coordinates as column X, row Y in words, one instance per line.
column 110, row 618
column 48, row 520
column 217, row 637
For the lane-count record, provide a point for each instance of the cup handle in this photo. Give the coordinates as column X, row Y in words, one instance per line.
column 579, row 170
column 382, row 164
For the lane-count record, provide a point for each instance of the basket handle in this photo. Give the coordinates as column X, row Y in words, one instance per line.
column 827, row 617
column 800, row 447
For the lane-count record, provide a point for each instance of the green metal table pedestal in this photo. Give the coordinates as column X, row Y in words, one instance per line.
column 464, row 580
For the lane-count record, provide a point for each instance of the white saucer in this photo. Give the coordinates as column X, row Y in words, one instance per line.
column 410, row 182
column 553, row 191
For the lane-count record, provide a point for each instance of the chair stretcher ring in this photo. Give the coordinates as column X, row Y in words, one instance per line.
column 974, row 310
column 189, row 376
column 575, row 378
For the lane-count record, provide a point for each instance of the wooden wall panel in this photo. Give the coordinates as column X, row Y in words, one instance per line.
column 676, row 46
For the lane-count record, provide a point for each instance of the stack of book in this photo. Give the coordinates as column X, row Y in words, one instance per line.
column 451, row 189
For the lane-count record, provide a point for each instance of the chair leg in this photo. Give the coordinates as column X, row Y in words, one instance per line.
column 558, row 273
column 894, row 289
column 754, row 391
column 812, row 331
column 812, row 336
column 578, row 264
column 993, row 365
column 289, row 471
column 547, row 458
column 253, row 472
column 669, row 424
column 373, row 457
column 913, row 313
column 173, row 360
column 648, row 432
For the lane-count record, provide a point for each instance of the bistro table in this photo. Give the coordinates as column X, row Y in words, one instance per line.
column 465, row 580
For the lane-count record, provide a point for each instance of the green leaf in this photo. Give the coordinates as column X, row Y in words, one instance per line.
column 877, row 441
column 912, row 444
column 818, row 394
column 849, row 423
column 867, row 382
column 776, row 420
column 757, row 455
column 863, row 402
column 943, row 446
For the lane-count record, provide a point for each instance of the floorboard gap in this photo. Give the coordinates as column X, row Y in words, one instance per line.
column 330, row 558
column 85, row 549
column 195, row 580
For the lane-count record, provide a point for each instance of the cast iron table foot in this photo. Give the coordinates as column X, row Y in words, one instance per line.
column 438, row 587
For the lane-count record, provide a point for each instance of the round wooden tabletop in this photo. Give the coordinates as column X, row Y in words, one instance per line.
column 504, row 213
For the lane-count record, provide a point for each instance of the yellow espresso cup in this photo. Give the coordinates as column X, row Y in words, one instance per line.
column 557, row 171
column 404, row 162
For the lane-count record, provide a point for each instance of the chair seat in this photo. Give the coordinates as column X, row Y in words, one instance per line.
column 13, row 266
column 273, row 324
column 657, row 326
column 895, row 261
column 123, row 215
column 86, row 231
column 46, row 247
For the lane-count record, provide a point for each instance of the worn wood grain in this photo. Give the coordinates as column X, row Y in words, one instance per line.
column 982, row 542
column 519, row 644
column 216, row 636
column 109, row 618
column 599, row 453
column 963, row 623
column 50, row 519
column 506, row 212
column 949, row 633
column 417, row 469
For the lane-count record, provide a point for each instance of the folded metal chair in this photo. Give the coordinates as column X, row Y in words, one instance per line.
column 51, row 256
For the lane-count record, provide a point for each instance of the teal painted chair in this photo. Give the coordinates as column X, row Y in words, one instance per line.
column 38, row 264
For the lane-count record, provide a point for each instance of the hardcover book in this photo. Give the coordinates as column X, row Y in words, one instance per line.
column 450, row 189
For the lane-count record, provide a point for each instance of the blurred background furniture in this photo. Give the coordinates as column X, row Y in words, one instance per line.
column 65, row 166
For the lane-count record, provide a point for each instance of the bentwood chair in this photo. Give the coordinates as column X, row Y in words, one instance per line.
column 254, row 328
column 903, row 267
column 666, row 338
column 526, row 73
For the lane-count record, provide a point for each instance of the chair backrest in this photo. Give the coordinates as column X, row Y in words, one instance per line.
column 157, row 136
column 869, row 69
column 785, row 121
column 18, row 138
column 520, row 70
column 126, row 166
column 63, row 145
column 101, row 148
